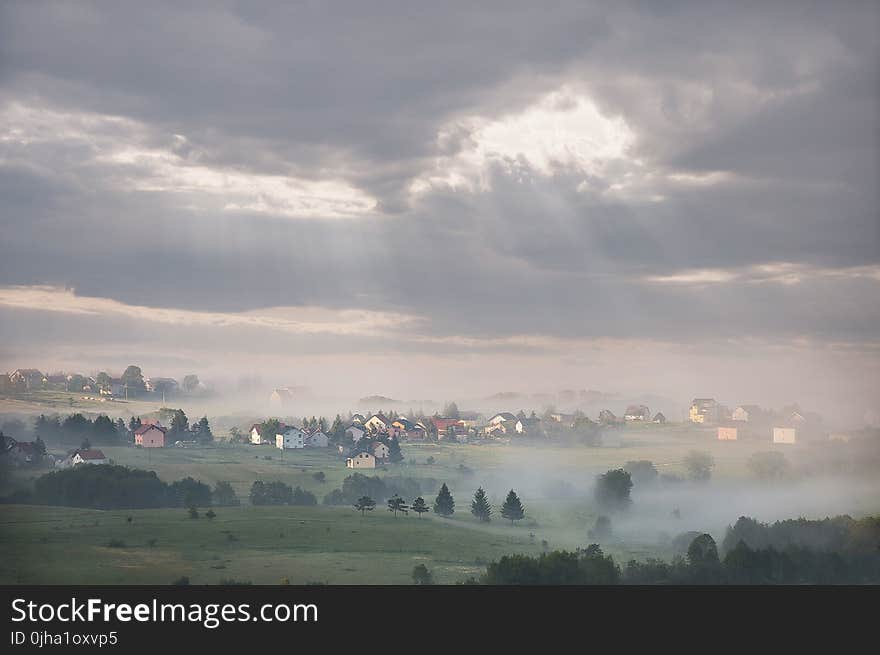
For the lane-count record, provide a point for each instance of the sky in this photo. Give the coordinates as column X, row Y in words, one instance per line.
column 437, row 200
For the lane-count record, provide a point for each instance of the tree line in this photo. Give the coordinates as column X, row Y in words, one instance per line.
column 838, row 550
column 106, row 486
column 444, row 505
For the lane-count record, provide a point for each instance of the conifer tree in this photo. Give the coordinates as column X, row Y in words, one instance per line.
column 480, row 506
column 512, row 509
column 444, row 505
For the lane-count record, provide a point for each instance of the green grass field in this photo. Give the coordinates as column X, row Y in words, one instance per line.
column 336, row 545
column 263, row 545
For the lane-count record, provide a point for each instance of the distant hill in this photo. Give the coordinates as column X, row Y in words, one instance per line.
column 378, row 400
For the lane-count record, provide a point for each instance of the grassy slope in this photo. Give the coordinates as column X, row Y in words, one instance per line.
column 375, row 550
column 44, row 545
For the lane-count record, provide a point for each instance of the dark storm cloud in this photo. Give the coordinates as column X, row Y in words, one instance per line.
column 784, row 102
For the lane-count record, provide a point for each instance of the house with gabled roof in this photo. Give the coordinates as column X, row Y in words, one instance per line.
column 501, row 417
column 150, row 436
column 316, row 439
column 356, row 432
column 29, row 378
column 290, row 438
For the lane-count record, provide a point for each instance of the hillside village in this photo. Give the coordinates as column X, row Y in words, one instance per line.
column 371, row 439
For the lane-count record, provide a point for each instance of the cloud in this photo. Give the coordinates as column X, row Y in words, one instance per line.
column 495, row 179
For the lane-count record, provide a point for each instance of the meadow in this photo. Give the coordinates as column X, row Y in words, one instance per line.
column 336, row 545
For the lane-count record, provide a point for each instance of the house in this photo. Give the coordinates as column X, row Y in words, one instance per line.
column 748, row 413
column 528, row 426
column 445, row 425
column 567, row 419
column 150, row 436
column 637, row 413
column 317, row 439
column 402, row 427
column 784, row 434
column 381, row 451
column 402, row 423
column 703, row 410
column 607, row 417
column 358, row 418
column 90, row 456
column 29, row 378
column 361, row 461
column 659, row 418
column 501, row 417
column 356, row 432
column 290, row 438
column 377, row 423
column 727, row 433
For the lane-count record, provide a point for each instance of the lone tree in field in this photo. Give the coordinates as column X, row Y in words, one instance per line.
column 699, row 465
column 419, row 506
column 512, row 509
column 612, row 489
column 397, row 504
column 365, row 504
column 444, row 505
column 480, row 506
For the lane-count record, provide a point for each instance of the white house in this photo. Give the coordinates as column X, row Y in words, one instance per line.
column 91, row 456
column 257, row 436
column 501, row 417
column 784, row 435
column 361, row 461
column 355, row 432
column 291, row 438
column 317, row 439
column 376, row 423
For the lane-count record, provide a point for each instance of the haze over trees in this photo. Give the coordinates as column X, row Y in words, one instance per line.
column 642, row 472
column 699, row 465
column 612, row 491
